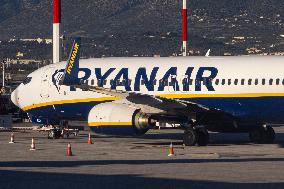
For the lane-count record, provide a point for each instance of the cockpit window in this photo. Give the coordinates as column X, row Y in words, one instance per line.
column 27, row 80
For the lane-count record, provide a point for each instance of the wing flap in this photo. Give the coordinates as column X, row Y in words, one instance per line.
column 165, row 104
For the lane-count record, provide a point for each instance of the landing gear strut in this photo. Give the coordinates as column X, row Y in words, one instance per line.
column 196, row 135
column 54, row 133
column 263, row 135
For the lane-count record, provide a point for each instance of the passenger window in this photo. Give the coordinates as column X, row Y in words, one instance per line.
column 217, row 82
column 256, row 82
column 236, row 81
column 277, row 81
column 155, row 82
column 119, row 82
column 249, row 81
column 229, row 81
column 205, row 81
column 223, row 81
column 271, row 82
column 124, row 82
column 283, row 82
column 164, row 82
column 263, row 81
column 210, row 81
column 242, row 81
column 98, row 82
column 186, row 81
column 92, row 82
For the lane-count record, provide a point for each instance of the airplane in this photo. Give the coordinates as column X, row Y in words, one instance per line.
column 129, row 96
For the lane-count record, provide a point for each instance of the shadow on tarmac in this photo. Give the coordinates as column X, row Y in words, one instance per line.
column 25, row 179
column 60, row 164
column 216, row 139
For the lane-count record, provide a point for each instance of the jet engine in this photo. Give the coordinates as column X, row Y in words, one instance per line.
column 119, row 119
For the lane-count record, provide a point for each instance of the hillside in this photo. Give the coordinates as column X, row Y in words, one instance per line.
column 32, row 18
column 211, row 21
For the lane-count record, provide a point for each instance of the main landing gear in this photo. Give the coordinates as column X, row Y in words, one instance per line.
column 263, row 135
column 195, row 135
column 198, row 135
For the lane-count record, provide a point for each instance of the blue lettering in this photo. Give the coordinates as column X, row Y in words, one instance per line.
column 101, row 77
column 123, row 73
column 206, row 80
column 165, row 81
column 186, row 81
column 149, row 83
column 87, row 74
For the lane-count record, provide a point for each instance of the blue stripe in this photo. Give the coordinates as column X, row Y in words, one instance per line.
column 265, row 109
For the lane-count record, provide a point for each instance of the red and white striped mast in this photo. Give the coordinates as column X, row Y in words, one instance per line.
column 184, row 29
column 56, row 30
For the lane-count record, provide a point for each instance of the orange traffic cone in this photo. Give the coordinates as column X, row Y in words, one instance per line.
column 33, row 147
column 171, row 150
column 69, row 151
column 12, row 141
column 90, row 139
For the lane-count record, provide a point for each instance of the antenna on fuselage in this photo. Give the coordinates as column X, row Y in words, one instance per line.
column 208, row 53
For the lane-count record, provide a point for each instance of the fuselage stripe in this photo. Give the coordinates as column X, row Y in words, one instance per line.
column 73, row 101
column 241, row 95
column 173, row 96
column 105, row 124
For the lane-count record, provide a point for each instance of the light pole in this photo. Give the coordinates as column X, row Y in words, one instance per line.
column 184, row 28
column 3, row 74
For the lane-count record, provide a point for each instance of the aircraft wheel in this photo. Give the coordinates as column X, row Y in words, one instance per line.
column 50, row 134
column 202, row 137
column 263, row 135
column 189, row 137
column 269, row 134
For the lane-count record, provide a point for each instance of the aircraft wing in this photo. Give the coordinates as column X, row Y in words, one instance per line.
column 169, row 106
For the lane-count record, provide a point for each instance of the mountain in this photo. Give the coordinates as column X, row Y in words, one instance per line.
column 32, row 18
column 210, row 21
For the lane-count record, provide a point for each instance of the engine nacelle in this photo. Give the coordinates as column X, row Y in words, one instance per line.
column 119, row 119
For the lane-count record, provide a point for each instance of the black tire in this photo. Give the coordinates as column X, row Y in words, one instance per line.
column 269, row 135
column 189, row 137
column 255, row 136
column 263, row 135
column 202, row 137
column 50, row 135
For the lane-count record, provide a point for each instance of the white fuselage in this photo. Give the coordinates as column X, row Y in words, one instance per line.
column 227, row 77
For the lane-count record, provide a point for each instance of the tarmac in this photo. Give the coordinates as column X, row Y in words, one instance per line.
column 230, row 161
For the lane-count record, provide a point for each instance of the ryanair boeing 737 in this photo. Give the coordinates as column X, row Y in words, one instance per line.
column 124, row 96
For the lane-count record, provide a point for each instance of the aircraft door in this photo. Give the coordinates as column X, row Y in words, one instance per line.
column 45, row 84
